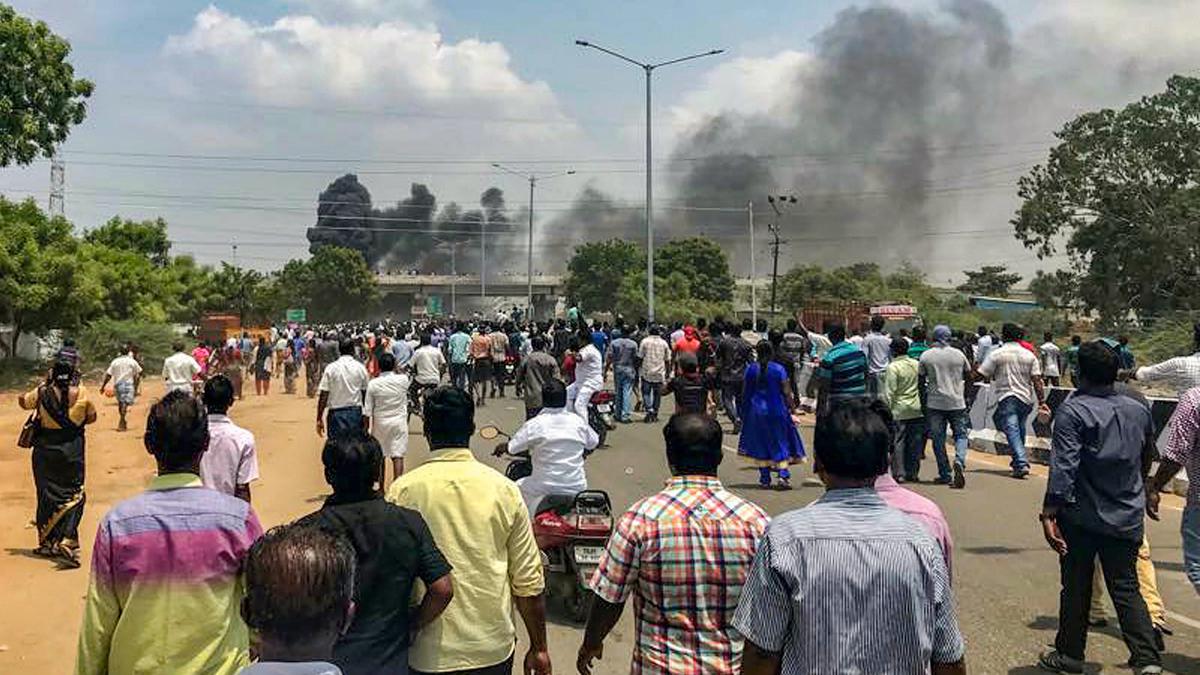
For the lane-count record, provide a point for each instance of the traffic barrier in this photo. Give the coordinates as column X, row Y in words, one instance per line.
column 985, row 437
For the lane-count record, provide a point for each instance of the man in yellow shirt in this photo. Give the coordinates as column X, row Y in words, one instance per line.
column 480, row 523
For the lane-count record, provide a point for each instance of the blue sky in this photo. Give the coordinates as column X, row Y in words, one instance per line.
column 419, row 80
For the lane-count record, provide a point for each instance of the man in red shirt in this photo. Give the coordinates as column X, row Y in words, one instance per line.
column 688, row 344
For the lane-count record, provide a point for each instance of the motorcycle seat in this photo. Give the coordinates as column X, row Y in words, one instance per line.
column 560, row 504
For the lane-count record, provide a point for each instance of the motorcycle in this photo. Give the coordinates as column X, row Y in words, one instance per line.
column 600, row 414
column 511, row 361
column 571, row 532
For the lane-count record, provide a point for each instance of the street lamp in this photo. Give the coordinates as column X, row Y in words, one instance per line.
column 453, row 246
column 649, row 69
column 533, row 179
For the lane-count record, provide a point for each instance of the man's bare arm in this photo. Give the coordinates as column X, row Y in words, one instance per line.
column 759, row 661
column 959, row 667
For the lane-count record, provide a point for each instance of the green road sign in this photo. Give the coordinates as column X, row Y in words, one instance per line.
column 297, row 315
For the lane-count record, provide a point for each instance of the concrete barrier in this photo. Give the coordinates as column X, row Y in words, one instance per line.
column 985, row 438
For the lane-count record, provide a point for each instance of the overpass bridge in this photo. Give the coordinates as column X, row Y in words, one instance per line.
column 408, row 295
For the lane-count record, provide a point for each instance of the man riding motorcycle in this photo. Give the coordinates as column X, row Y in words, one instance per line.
column 556, row 440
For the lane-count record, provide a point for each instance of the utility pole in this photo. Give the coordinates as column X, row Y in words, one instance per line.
column 774, row 263
column 57, row 205
column 753, row 271
column 775, row 201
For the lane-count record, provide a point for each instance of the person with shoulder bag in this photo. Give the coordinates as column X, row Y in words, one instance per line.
column 61, row 410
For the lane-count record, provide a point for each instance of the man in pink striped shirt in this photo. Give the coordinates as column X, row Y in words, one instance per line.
column 164, row 593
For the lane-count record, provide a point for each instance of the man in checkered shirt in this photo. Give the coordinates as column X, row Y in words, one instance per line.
column 1181, row 372
column 684, row 554
column 1183, row 452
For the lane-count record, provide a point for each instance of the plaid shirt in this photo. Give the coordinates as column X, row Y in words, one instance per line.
column 686, row 552
column 1183, row 441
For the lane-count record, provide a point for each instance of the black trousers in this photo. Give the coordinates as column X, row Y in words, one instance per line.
column 1118, row 560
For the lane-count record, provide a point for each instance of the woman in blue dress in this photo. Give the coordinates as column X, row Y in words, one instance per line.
column 769, row 436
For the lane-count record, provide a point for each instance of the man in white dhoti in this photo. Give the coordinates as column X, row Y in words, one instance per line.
column 556, row 440
column 385, row 411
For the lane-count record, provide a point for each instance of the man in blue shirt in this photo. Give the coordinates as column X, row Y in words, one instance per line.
column 1103, row 445
column 842, row 373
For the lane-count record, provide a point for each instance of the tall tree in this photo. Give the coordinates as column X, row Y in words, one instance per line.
column 340, row 285
column 701, row 260
column 40, row 98
column 993, row 280
column 596, row 271
column 147, row 238
column 1119, row 193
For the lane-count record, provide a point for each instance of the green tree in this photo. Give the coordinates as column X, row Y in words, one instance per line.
column 133, row 286
column 147, row 238
column 675, row 298
column 42, row 284
column 990, row 280
column 334, row 285
column 700, row 260
column 1119, row 194
column 596, row 271
column 40, row 99
column 1056, row 290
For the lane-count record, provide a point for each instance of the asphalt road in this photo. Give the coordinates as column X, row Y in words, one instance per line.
column 1005, row 577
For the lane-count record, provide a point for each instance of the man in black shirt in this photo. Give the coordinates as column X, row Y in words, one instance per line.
column 394, row 549
column 733, row 354
column 689, row 386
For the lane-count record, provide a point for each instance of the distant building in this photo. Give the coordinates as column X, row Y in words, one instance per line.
column 1008, row 307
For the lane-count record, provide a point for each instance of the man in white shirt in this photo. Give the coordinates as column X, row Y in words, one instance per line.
column 179, row 369
column 343, row 386
column 123, row 371
column 1181, row 372
column 557, row 441
column 589, row 375
column 231, row 463
column 428, row 363
column 1050, row 354
column 385, row 411
column 1017, row 385
column 654, row 354
column 983, row 346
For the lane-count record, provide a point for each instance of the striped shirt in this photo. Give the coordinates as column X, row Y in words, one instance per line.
column 1181, row 372
column 844, row 366
column 850, row 585
column 685, row 552
column 164, row 590
column 1183, row 441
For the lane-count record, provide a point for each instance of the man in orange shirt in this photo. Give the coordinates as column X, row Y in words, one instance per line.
column 480, row 353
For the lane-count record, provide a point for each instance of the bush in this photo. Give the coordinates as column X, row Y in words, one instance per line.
column 19, row 374
column 100, row 340
column 1167, row 338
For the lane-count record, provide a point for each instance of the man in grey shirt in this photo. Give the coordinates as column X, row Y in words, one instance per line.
column 848, row 584
column 621, row 358
column 878, row 347
column 1094, row 506
column 943, row 373
column 535, row 371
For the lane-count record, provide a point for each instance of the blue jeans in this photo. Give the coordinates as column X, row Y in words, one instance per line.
column 960, row 426
column 651, row 396
column 1010, row 417
column 624, row 386
column 1191, row 542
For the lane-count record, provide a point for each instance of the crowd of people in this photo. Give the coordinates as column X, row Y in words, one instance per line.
column 184, row 579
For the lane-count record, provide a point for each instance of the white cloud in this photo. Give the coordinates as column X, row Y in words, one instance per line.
column 746, row 85
column 391, row 67
column 364, row 10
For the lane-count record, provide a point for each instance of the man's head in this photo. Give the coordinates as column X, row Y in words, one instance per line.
column 747, row 324
column 1076, row 340
column 1010, row 332
column 177, row 433
column 693, row 444
column 1123, row 340
column 918, row 333
column 775, row 337
column 299, row 591
column 899, row 347
column 1098, row 364
column 688, row 363
column 353, row 464
column 554, row 394
column 941, row 334
column 877, row 322
column 1048, row 337
column 346, row 347
column 425, row 339
column 983, row 330
column 852, row 442
column 449, row 416
column 835, row 331
column 792, row 324
column 538, row 342
column 387, row 362
column 177, row 346
column 218, row 394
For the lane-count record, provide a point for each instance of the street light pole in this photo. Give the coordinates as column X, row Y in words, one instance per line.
column 649, row 70
column 753, row 271
column 533, row 179
column 774, row 229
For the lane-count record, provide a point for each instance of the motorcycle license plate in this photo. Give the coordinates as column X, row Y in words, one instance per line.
column 604, row 407
column 588, row 555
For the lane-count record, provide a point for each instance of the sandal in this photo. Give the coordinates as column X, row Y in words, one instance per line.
column 67, row 556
